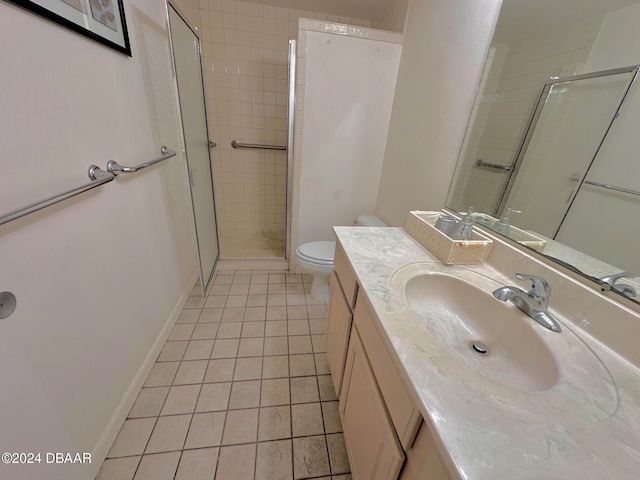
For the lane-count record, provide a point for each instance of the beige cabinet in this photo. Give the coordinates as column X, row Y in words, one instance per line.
column 338, row 330
column 384, row 432
column 374, row 450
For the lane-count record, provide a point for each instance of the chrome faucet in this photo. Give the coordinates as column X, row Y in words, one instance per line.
column 534, row 302
column 611, row 280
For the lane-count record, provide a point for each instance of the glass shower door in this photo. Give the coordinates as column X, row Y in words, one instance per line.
column 186, row 53
column 569, row 124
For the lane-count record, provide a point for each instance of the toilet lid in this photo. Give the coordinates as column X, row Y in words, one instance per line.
column 318, row 252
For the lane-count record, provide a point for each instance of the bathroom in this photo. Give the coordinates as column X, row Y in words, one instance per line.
column 101, row 279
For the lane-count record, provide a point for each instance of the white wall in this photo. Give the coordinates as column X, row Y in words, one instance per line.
column 446, row 43
column 96, row 277
column 346, row 117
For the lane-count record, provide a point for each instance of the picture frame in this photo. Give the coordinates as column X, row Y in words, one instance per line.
column 101, row 20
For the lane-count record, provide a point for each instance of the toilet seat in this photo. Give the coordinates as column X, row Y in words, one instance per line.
column 319, row 253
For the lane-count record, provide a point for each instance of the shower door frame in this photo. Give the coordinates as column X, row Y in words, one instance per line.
column 535, row 117
column 204, row 283
column 291, row 112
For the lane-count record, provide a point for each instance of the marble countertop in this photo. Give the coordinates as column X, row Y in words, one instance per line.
column 482, row 429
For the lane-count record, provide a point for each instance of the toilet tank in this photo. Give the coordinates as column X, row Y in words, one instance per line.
column 369, row 221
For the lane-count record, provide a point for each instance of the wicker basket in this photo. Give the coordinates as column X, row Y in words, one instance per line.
column 421, row 227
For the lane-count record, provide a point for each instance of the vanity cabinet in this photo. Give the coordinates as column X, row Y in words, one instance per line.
column 374, row 450
column 338, row 331
column 385, row 435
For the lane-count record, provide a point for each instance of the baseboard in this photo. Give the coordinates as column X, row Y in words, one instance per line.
column 252, row 264
column 103, row 445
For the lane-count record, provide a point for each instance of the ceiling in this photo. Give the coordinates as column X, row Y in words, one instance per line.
column 522, row 18
column 360, row 9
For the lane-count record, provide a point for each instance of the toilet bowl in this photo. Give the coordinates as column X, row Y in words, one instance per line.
column 316, row 258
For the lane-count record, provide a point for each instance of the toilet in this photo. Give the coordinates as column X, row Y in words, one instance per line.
column 316, row 258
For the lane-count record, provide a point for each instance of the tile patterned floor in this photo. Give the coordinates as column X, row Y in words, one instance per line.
column 240, row 391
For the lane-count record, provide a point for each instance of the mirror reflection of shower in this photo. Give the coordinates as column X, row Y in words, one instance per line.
column 567, row 127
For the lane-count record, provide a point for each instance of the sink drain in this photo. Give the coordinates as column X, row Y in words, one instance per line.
column 479, row 348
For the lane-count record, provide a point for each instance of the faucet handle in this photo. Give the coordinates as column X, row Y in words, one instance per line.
column 539, row 286
column 612, row 279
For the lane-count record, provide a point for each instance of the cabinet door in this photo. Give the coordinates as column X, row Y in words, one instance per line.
column 338, row 329
column 372, row 444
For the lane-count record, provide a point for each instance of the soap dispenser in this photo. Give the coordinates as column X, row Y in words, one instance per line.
column 503, row 225
column 465, row 229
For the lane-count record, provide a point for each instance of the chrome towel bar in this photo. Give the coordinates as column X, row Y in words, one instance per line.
column 236, row 144
column 496, row 166
column 116, row 169
column 98, row 177
column 611, row 187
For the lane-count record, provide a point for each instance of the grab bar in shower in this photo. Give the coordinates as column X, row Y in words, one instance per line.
column 611, row 187
column 236, row 144
column 496, row 166
column 116, row 169
column 96, row 174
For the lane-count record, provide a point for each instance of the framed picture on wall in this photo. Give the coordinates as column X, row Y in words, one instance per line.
column 100, row 20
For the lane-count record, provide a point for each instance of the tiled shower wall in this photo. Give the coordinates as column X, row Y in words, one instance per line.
column 245, row 57
column 528, row 64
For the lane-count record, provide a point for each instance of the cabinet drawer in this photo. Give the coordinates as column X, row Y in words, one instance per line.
column 345, row 274
column 338, row 330
column 372, row 445
column 406, row 417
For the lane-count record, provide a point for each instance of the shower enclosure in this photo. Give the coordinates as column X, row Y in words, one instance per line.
column 249, row 86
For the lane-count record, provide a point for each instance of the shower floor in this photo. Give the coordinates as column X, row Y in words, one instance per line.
column 242, row 244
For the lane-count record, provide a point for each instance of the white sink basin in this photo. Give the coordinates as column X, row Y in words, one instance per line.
column 446, row 309
column 458, row 314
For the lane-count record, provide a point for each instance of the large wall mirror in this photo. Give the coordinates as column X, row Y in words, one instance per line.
column 551, row 156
